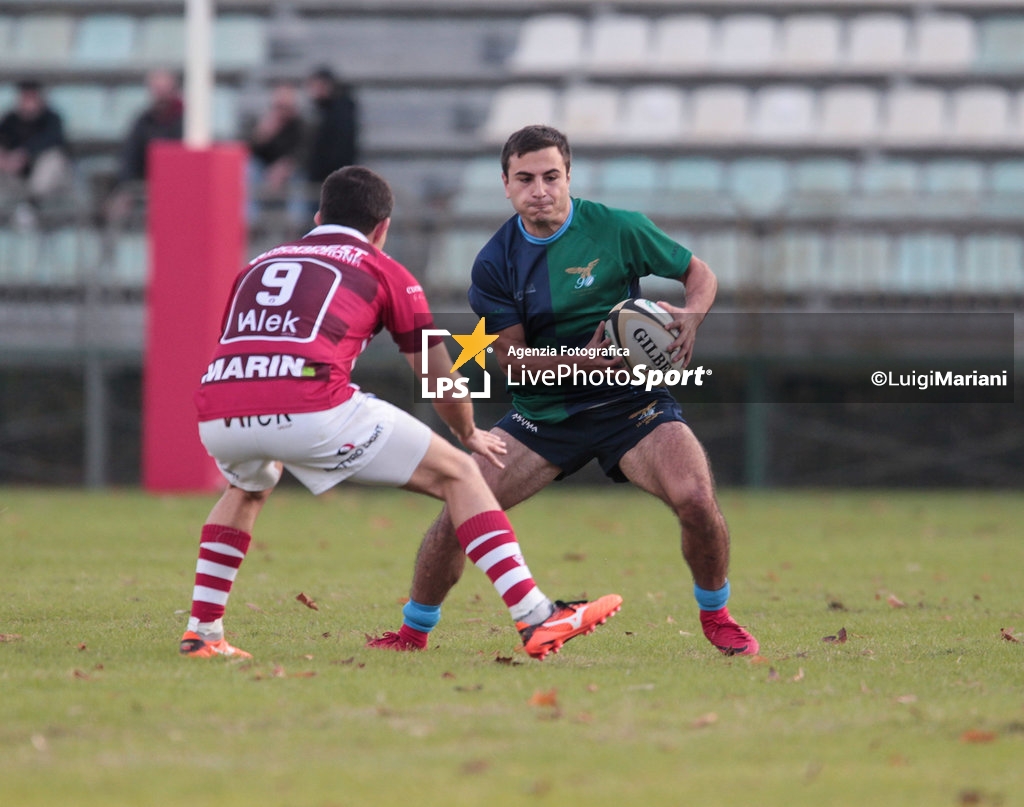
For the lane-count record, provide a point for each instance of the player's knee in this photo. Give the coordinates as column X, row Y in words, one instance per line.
column 695, row 505
column 252, row 496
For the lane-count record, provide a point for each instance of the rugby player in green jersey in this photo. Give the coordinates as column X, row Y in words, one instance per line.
column 547, row 278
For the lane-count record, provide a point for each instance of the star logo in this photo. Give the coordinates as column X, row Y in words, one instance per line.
column 473, row 345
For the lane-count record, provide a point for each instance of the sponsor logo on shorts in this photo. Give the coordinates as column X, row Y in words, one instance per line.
column 646, row 415
column 350, row 452
column 530, row 426
column 247, row 422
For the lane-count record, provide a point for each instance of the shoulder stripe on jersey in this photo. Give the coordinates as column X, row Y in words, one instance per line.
column 362, row 284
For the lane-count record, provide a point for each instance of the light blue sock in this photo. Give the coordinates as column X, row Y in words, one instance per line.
column 711, row 600
column 423, row 618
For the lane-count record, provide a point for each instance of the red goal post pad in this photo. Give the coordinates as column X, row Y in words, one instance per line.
column 197, row 240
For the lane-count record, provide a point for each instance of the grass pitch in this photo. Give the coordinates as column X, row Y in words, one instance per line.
column 922, row 704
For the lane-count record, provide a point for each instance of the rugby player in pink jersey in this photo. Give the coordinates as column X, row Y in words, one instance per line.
column 278, row 394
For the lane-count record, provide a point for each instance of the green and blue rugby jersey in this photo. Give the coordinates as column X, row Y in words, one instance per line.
column 559, row 289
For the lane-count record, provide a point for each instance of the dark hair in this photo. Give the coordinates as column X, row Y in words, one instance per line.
column 354, row 196
column 324, row 73
column 29, row 85
column 534, row 138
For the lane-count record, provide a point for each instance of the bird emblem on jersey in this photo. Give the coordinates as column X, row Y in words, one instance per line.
column 586, row 277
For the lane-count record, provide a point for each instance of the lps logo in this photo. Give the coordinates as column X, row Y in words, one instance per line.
column 474, row 347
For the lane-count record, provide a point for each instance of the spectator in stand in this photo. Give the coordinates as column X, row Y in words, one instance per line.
column 333, row 141
column 34, row 155
column 275, row 143
column 163, row 119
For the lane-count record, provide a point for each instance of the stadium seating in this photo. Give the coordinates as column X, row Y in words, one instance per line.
column 682, row 42
column 946, row 42
column 810, row 41
column 549, row 42
column 161, row 40
column 105, row 39
column 618, row 42
column 590, row 112
column 877, row 41
column 41, row 39
column 757, row 111
column 746, row 41
column 784, row 113
column 652, row 113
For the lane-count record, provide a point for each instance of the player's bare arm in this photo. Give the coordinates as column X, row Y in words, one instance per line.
column 701, row 289
column 458, row 415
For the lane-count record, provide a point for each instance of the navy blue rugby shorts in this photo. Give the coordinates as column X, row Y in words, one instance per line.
column 605, row 433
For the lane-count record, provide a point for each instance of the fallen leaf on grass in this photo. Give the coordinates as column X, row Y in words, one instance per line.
column 475, row 766
column 839, row 638
column 574, row 556
column 542, row 698
column 773, row 674
column 80, row 675
column 277, row 671
column 705, row 720
column 308, row 602
column 1007, row 633
column 509, row 660
column 836, row 605
column 895, row 601
column 907, row 699
column 978, row 736
column 254, row 607
column 799, row 675
column 82, row 646
column 474, row 688
column 9, row 637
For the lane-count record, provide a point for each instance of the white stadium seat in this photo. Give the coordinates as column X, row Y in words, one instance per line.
column 619, row 42
column 915, row 115
column 590, row 112
column 549, row 43
column 682, row 42
column 720, row 112
column 849, row 114
column 810, row 41
column 516, row 106
column 945, row 41
column 877, row 41
column 747, row 41
column 653, row 113
column 981, row 114
column 784, row 112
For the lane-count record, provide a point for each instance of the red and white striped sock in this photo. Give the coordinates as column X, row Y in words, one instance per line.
column 490, row 543
column 221, row 552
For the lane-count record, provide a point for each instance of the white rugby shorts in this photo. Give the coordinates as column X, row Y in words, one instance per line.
column 364, row 439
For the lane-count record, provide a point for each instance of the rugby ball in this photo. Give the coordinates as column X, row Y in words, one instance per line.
column 641, row 328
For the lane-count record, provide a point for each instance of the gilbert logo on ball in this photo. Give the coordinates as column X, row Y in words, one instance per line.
column 641, row 328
